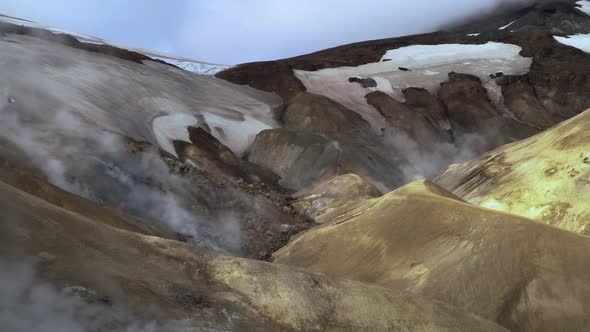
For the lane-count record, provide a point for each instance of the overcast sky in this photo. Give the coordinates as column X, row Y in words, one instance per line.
column 237, row 31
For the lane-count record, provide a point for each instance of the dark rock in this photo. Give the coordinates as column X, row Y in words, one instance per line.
column 496, row 75
column 402, row 118
column 467, row 102
column 423, row 101
column 365, row 82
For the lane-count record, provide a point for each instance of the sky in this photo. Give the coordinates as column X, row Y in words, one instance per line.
column 238, row 31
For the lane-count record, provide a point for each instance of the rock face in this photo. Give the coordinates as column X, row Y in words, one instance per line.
column 425, row 240
column 403, row 119
column 320, row 139
column 319, row 115
column 302, row 159
column 209, row 155
column 545, row 177
column 210, row 291
column 468, row 105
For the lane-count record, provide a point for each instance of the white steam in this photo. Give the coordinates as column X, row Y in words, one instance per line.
column 96, row 165
column 28, row 304
column 420, row 162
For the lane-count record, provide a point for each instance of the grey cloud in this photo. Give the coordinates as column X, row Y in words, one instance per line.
column 237, row 31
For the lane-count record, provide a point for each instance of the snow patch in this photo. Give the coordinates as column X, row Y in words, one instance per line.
column 430, row 73
column 584, row 6
column 237, row 134
column 579, row 41
column 507, row 25
column 201, row 68
column 473, row 34
column 429, row 66
column 171, row 128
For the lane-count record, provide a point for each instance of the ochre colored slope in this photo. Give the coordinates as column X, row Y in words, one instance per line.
column 154, row 273
column 523, row 275
column 545, row 177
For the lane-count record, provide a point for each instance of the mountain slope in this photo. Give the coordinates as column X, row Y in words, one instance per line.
column 191, row 65
column 545, row 177
column 210, row 291
column 111, row 130
column 523, row 275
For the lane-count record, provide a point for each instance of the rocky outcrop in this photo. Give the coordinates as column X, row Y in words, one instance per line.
column 420, row 238
column 467, row 102
column 208, row 154
column 364, row 82
column 424, row 102
column 401, row 118
column 555, row 89
column 319, row 115
column 276, row 76
column 302, row 159
column 545, row 177
column 521, row 99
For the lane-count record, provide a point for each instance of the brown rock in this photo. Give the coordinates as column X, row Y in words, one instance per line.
column 302, row 159
column 316, row 114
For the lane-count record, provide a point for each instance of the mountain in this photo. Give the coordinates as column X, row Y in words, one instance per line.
column 434, row 182
column 447, row 96
column 191, row 65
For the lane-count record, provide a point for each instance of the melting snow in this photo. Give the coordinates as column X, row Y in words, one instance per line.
column 236, row 134
column 473, row 34
column 201, row 68
column 584, row 6
column 429, row 66
column 579, row 41
column 173, row 128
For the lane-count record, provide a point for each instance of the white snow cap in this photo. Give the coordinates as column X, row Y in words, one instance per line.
column 171, row 128
column 584, row 6
column 579, row 41
column 428, row 66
